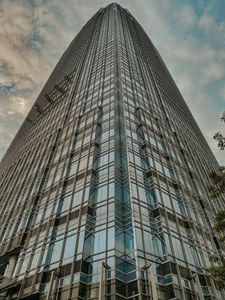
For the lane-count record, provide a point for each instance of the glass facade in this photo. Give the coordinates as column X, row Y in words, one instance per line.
column 104, row 188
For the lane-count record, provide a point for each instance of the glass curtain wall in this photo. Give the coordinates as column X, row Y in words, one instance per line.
column 104, row 188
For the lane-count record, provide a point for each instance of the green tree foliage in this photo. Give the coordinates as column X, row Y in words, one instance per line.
column 220, row 223
column 218, row 274
column 218, row 182
column 216, row 189
column 219, row 137
column 218, row 270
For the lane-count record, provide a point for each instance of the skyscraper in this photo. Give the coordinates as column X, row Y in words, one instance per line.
column 104, row 188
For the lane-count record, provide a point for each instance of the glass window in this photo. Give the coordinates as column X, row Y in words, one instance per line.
column 102, row 193
column 56, row 252
column 158, row 166
column 119, row 240
column 77, row 198
column 156, row 195
column 167, row 243
column 142, row 195
column 179, row 207
column 111, row 238
column 177, row 248
column 69, row 246
column 111, row 189
column 73, row 168
column 35, row 260
column 24, row 264
column 134, row 190
column 151, row 140
column 48, row 211
column 81, row 242
column 128, row 240
column 39, row 216
column 103, row 160
column 192, row 255
column 83, row 163
column 153, row 244
column 99, row 241
column 166, row 200
column 139, row 239
column 157, row 244
column 169, row 173
column 137, row 160
column 66, row 203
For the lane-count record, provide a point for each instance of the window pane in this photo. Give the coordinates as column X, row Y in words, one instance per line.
column 56, row 253
column 70, row 246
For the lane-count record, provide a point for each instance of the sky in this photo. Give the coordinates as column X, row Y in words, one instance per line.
column 189, row 35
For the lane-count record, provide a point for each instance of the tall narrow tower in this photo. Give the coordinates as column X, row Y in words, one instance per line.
column 103, row 190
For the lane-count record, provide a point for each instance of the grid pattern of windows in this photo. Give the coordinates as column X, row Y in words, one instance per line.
column 103, row 190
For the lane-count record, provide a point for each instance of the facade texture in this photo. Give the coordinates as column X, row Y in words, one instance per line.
column 103, row 191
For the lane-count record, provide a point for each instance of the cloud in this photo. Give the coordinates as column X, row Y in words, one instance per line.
column 34, row 34
column 212, row 72
column 222, row 92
